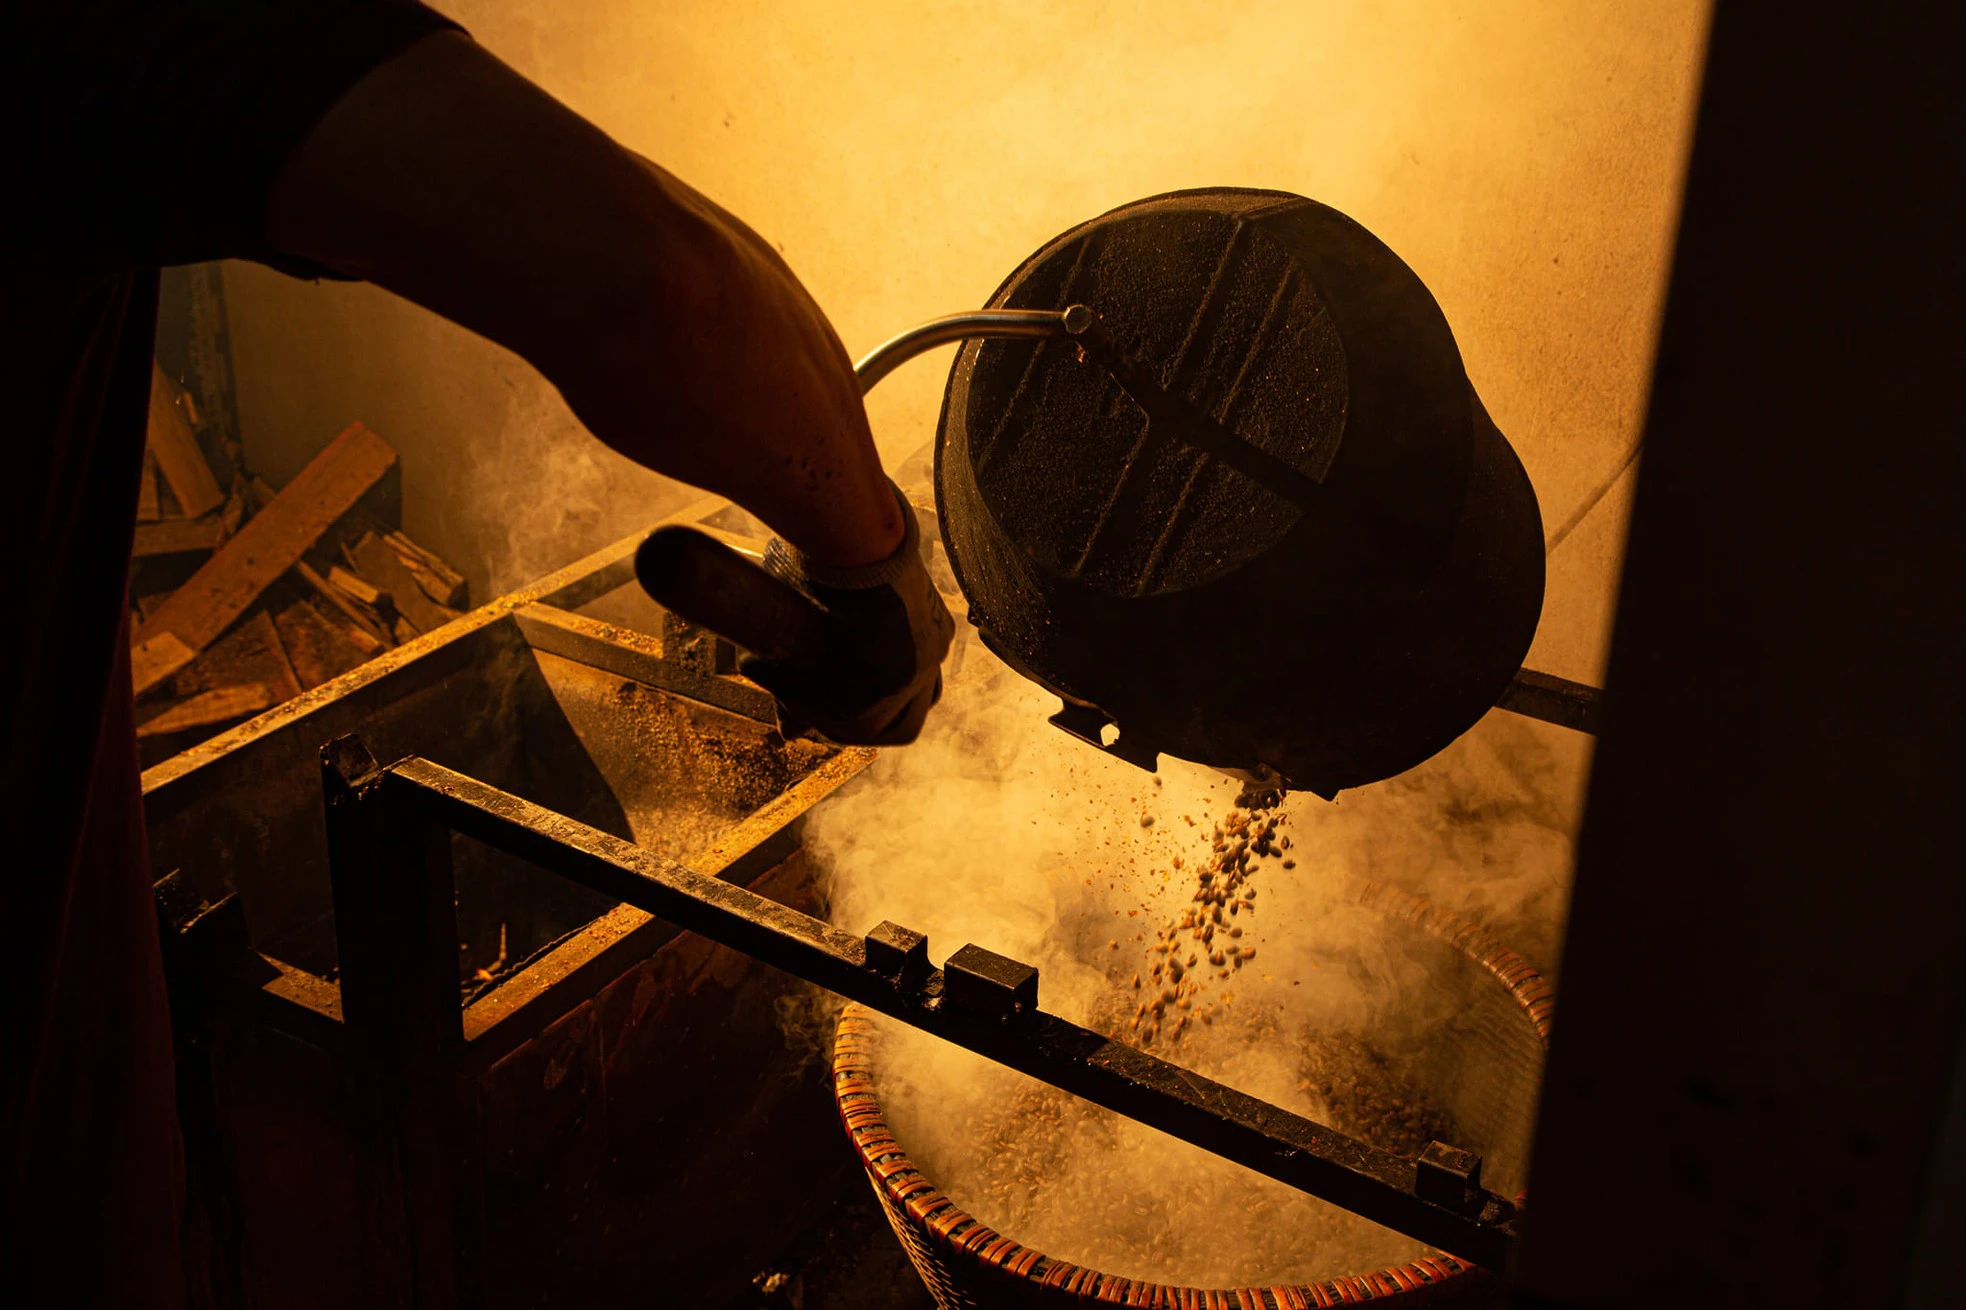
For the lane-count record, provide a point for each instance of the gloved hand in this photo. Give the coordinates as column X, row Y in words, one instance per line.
column 889, row 632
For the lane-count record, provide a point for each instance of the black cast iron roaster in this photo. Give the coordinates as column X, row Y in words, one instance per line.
column 1326, row 631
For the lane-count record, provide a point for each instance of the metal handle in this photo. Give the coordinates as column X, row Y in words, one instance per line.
column 1168, row 413
column 896, row 351
column 705, row 582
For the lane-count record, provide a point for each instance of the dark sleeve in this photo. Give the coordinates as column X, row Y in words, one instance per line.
column 157, row 127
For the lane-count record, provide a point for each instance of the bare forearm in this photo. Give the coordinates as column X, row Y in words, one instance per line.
column 677, row 335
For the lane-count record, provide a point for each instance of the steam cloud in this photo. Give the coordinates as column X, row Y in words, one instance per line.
column 999, row 830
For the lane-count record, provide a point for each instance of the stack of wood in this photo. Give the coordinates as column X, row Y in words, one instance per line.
column 244, row 596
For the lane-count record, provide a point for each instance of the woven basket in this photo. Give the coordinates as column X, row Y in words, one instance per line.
column 969, row 1266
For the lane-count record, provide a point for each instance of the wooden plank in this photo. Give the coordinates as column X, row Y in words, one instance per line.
column 439, row 580
column 318, row 649
column 363, row 626
column 176, row 447
column 218, row 706
column 383, row 567
column 356, row 587
column 289, row 685
column 249, row 653
column 438, row 587
column 155, row 658
column 266, row 547
column 178, row 536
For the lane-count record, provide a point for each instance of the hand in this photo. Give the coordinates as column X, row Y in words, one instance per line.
column 888, row 633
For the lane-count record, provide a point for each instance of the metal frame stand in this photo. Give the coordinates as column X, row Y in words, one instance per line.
column 386, row 825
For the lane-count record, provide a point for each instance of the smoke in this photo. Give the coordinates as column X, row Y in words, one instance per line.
column 533, row 490
column 999, row 830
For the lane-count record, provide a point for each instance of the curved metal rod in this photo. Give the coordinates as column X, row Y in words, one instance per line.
column 893, row 353
column 1169, row 413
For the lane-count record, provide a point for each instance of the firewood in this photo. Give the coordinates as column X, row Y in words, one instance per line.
column 439, row 580
column 320, row 647
column 372, row 636
column 317, row 644
column 179, row 536
column 208, row 708
column 290, row 685
column 249, row 653
column 267, row 546
column 452, row 596
column 233, row 512
column 175, row 445
column 156, row 657
column 357, row 588
column 380, row 563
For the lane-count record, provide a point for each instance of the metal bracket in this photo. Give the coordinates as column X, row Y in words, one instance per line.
column 990, row 983
column 1089, row 725
column 898, row 953
column 1447, row 1175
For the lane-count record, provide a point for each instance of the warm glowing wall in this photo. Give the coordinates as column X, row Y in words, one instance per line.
column 1523, row 155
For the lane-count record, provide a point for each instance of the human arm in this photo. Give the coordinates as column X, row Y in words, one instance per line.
column 677, row 335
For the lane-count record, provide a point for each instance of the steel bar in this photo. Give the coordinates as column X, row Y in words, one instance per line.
column 991, row 1015
column 1574, row 705
column 395, row 905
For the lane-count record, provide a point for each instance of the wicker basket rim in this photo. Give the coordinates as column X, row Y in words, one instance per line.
column 940, row 1220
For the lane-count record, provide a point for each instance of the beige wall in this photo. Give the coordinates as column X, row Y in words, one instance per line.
column 1523, row 155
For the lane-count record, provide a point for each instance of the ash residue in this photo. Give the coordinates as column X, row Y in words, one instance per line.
column 685, row 773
